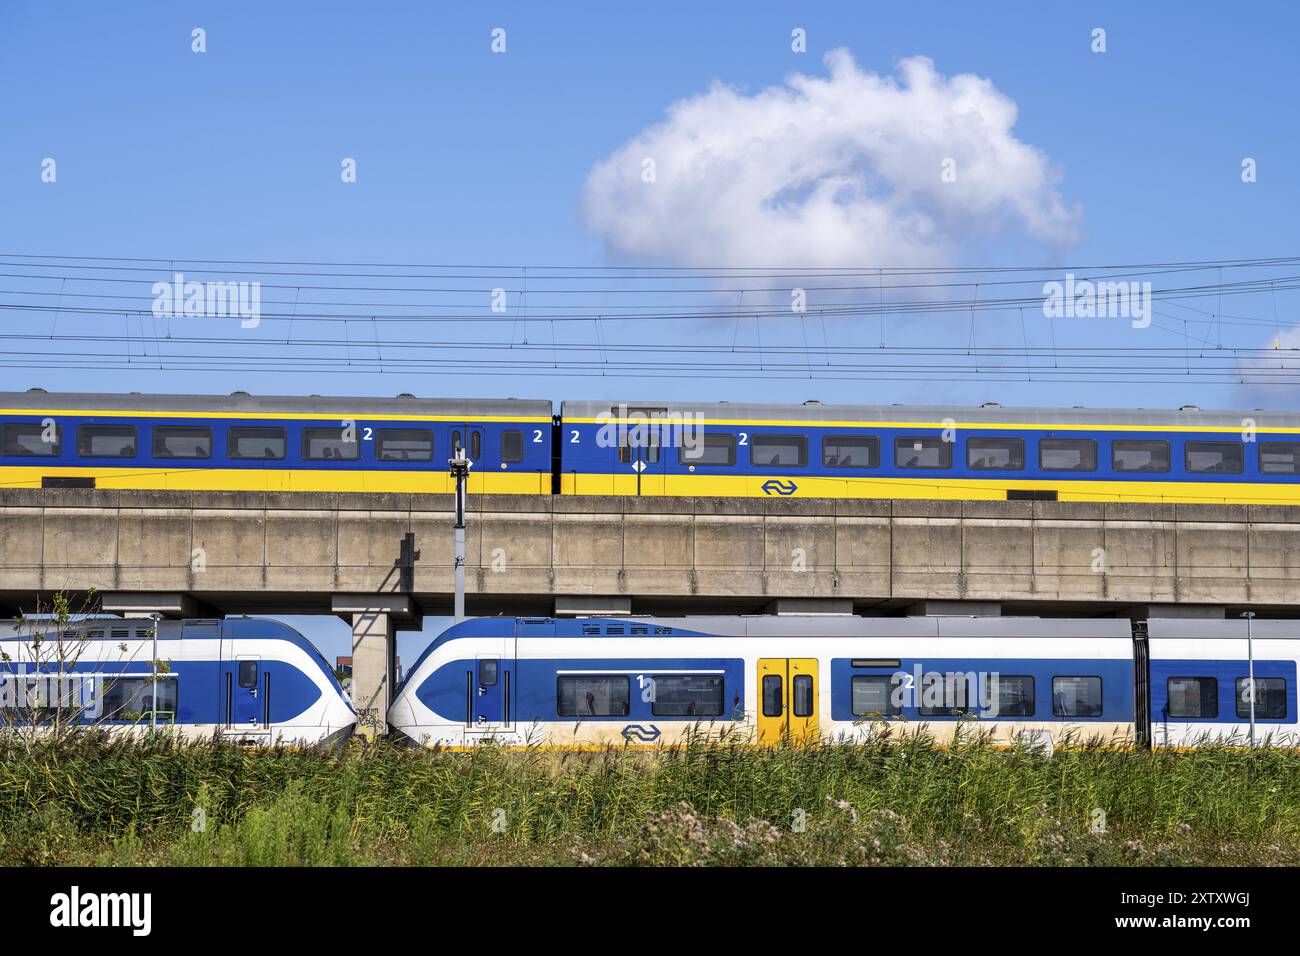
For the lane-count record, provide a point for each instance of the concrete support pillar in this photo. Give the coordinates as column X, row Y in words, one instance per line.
column 374, row 619
column 373, row 668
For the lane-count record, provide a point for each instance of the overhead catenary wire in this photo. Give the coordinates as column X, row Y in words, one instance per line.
column 86, row 299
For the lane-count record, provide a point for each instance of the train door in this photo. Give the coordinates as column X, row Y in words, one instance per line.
column 787, row 706
column 641, row 449
column 646, row 455
column 469, row 437
column 490, row 694
column 244, row 694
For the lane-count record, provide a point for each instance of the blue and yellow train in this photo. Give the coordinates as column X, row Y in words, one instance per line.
column 262, row 443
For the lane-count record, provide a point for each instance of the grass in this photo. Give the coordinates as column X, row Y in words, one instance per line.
column 895, row 801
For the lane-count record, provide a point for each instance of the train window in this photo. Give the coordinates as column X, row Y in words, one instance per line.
column 1279, row 458
column 1014, row 696
column 773, row 696
column 1270, row 698
column 25, row 441
column 922, row 453
column 802, row 692
column 873, row 694
column 1004, row 454
column 106, row 441
column 1140, row 455
column 137, row 698
column 475, row 449
column 640, row 435
column 405, row 444
column 1076, row 696
column 1192, row 697
column 330, row 444
column 592, row 696
column 713, row 448
column 786, row 451
column 487, row 672
column 686, row 695
column 1067, row 454
column 264, row 443
column 1216, row 457
column 182, row 441
column 850, row 451
column 944, row 695
column 512, row 445
column 248, row 674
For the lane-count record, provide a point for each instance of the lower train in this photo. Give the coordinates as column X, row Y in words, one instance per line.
column 646, row 682
column 578, row 683
column 249, row 680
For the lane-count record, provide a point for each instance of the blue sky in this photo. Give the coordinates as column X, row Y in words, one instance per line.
column 465, row 156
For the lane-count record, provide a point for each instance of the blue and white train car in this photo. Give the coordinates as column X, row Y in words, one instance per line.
column 646, row 681
column 1200, row 681
column 247, row 679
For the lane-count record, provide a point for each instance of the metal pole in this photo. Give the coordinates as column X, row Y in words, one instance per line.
column 1250, row 680
column 460, row 471
column 153, row 665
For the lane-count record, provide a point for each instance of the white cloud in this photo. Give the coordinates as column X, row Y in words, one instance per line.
column 843, row 170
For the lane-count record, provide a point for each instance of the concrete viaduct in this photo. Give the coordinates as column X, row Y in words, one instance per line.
column 381, row 561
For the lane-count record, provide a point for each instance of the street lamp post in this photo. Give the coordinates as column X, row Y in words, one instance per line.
column 1250, row 672
column 153, row 666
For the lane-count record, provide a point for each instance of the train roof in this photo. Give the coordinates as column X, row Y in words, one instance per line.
column 236, row 402
column 1210, row 629
column 811, row 625
column 990, row 414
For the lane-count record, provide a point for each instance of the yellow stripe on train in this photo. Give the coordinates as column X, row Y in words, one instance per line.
column 967, row 489
column 831, row 424
column 284, row 479
column 107, row 413
column 439, row 481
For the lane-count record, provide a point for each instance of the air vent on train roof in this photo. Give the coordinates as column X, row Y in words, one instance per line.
column 991, row 405
column 813, row 401
column 239, row 392
column 1190, row 408
column 406, row 395
column 39, row 390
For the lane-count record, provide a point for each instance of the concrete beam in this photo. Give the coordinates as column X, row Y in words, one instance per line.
column 148, row 603
column 581, row 605
column 396, row 606
column 1205, row 612
column 309, row 553
column 813, row 606
column 955, row 609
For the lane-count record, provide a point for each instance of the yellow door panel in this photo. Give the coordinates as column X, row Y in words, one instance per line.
column 787, row 700
column 772, row 693
column 803, row 699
